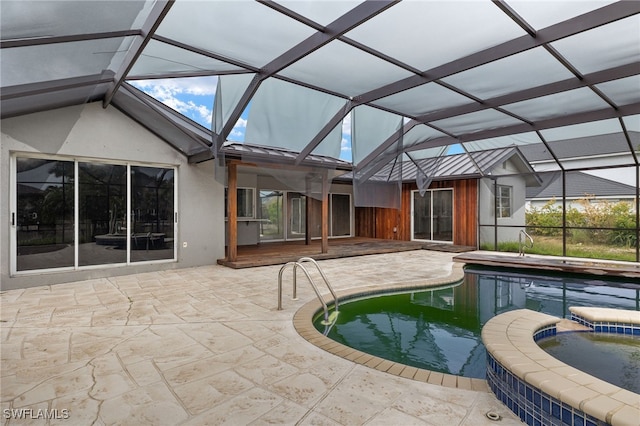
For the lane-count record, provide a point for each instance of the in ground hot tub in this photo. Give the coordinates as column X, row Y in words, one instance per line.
column 543, row 390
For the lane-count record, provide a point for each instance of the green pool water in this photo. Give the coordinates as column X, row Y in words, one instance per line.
column 439, row 329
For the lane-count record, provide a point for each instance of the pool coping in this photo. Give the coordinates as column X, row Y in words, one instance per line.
column 518, row 368
column 303, row 323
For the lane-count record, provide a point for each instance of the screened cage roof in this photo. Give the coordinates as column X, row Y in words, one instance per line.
column 555, row 78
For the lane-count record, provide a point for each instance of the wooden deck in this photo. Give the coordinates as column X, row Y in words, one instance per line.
column 278, row 253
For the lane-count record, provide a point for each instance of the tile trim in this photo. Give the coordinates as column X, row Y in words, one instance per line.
column 540, row 389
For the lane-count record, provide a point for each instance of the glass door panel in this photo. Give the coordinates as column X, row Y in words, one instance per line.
column 297, row 215
column 442, row 223
column 315, row 221
column 271, row 213
column 152, row 213
column 44, row 214
column 340, row 215
column 421, row 216
column 102, row 195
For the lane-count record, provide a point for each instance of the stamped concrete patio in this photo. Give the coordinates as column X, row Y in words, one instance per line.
column 207, row 346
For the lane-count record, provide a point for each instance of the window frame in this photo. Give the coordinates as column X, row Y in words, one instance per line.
column 500, row 205
column 253, row 202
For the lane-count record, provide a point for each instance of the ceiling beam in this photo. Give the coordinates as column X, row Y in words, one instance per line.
column 26, row 42
column 356, row 16
column 157, row 107
column 336, row 120
column 567, row 120
column 30, row 89
column 157, row 14
column 515, row 17
column 203, row 52
column 588, row 80
column 534, row 39
column 590, row 20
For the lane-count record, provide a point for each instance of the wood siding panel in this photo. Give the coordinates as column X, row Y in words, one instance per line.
column 374, row 222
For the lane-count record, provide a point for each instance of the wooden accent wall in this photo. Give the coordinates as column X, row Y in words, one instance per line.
column 374, row 222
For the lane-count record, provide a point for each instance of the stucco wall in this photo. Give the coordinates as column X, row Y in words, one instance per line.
column 91, row 132
column 487, row 202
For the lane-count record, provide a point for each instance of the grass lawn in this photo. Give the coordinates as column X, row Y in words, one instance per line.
column 553, row 247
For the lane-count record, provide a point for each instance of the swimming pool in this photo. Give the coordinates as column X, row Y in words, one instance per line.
column 438, row 329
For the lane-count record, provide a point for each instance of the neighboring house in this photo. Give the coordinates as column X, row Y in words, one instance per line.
column 580, row 187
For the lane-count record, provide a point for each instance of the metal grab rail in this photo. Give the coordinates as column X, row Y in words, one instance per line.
column 522, row 245
column 299, row 264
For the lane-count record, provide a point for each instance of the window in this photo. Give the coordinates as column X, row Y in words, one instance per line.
column 246, row 203
column 73, row 214
column 272, row 215
column 503, row 201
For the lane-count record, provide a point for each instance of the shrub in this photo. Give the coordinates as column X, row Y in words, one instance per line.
column 596, row 223
column 546, row 220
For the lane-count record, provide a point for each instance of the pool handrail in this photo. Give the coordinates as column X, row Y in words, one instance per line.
column 299, row 264
column 522, row 245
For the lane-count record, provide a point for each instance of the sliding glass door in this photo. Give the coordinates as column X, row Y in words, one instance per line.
column 283, row 215
column 73, row 214
column 432, row 215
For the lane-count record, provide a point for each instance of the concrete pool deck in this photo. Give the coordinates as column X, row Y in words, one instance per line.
column 206, row 345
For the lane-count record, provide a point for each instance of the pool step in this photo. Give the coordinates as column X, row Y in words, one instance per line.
column 568, row 325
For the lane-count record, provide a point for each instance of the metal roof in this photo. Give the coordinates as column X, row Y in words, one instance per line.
column 579, row 185
column 416, row 74
column 458, row 166
column 275, row 155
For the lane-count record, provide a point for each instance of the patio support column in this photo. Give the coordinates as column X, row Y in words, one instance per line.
column 232, row 212
column 325, row 211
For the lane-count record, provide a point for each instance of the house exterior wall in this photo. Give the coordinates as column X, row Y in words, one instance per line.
column 508, row 227
column 91, row 132
column 373, row 222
